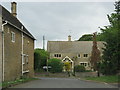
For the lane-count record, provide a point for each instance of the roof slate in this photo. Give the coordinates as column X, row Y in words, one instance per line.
column 72, row 46
column 7, row 16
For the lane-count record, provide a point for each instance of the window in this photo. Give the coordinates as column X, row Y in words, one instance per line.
column 85, row 55
column 57, row 55
column 25, row 59
column 12, row 36
column 78, row 55
column 84, row 64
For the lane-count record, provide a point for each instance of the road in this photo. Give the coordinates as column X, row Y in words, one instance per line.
column 62, row 83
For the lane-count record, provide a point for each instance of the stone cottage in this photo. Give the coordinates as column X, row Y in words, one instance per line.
column 75, row 52
column 17, row 46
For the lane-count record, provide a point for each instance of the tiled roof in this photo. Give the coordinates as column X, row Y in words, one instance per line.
column 7, row 16
column 72, row 46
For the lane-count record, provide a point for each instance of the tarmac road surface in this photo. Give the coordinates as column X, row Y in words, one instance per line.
column 63, row 83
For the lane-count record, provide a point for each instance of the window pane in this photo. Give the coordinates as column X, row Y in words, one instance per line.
column 59, row 55
column 78, row 55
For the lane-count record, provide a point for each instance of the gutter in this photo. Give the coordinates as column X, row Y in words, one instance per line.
column 20, row 29
column 3, row 57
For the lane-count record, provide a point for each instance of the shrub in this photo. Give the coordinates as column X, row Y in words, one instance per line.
column 40, row 59
column 79, row 68
column 67, row 66
column 56, row 65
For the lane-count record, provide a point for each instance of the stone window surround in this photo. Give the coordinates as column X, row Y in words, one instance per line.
column 79, row 55
column 12, row 36
column 57, row 55
column 85, row 55
column 84, row 63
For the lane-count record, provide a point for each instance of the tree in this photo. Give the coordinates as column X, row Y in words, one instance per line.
column 95, row 57
column 56, row 65
column 111, row 54
column 86, row 37
column 89, row 37
column 40, row 58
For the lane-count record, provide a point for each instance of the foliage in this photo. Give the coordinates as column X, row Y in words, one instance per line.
column 18, row 81
column 111, row 54
column 67, row 66
column 95, row 57
column 86, row 37
column 89, row 37
column 107, row 79
column 40, row 58
column 79, row 68
column 56, row 65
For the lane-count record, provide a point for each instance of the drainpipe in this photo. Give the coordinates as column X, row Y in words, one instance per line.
column 3, row 49
column 22, row 52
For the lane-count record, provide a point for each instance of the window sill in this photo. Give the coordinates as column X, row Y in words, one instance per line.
column 26, row 71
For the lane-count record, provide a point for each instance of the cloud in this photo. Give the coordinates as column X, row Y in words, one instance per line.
column 55, row 20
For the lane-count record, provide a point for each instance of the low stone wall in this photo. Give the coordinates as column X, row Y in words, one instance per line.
column 85, row 74
column 51, row 74
column 65, row 74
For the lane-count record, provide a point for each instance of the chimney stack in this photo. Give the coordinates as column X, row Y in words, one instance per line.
column 14, row 8
column 69, row 38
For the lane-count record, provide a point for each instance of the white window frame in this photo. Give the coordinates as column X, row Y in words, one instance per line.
column 25, row 59
column 12, row 36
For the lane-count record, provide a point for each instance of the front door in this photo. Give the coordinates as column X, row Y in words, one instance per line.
column 68, row 64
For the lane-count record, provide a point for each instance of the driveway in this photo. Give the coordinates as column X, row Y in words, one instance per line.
column 63, row 83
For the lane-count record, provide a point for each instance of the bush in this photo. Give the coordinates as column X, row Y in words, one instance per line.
column 79, row 68
column 40, row 59
column 56, row 65
column 67, row 66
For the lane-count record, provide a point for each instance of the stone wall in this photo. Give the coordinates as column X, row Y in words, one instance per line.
column 13, row 54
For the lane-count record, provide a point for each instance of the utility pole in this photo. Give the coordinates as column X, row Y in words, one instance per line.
column 43, row 42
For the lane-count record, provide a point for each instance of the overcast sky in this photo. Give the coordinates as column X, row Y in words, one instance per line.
column 57, row 20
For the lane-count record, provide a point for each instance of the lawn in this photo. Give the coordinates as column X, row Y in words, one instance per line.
column 107, row 79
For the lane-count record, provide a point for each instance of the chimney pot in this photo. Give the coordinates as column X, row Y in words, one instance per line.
column 14, row 8
column 69, row 38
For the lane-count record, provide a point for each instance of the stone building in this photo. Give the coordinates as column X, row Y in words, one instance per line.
column 75, row 52
column 17, row 46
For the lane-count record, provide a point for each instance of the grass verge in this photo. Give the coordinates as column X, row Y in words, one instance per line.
column 19, row 81
column 107, row 79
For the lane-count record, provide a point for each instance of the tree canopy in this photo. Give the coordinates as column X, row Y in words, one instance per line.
column 86, row 37
column 111, row 54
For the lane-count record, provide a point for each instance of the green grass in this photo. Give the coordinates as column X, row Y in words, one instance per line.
column 107, row 79
column 19, row 81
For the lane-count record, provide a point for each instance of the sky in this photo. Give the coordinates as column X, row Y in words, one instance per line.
column 57, row 20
